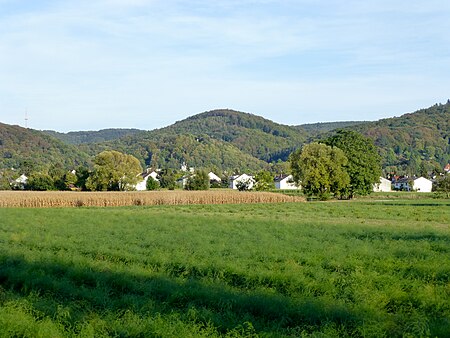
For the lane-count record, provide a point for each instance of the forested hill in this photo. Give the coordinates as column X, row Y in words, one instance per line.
column 79, row 137
column 413, row 143
column 32, row 150
column 314, row 129
column 252, row 134
column 166, row 150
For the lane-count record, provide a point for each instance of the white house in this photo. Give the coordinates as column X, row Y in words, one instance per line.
column 285, row 182
column 384, row 185
column 20, row 182
column 142, row 185
column 214, row 177
column 244, row 178
column 422, row 184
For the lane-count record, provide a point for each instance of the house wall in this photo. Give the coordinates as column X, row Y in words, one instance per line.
column 384, row 185
column 423, row 185
column 243, row 177
column 141, row 186
column 285, row 184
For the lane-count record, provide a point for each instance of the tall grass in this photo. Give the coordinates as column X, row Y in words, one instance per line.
column 365, row 269
column 114, row 199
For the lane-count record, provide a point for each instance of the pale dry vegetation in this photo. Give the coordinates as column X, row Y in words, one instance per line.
column 47, row 199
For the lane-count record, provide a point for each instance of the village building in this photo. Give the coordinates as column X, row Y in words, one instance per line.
column 422, row 184
column 419, row 184
column 244, row 178
column 20, row 182
column 384, row 185
column 142, row 185
column 285, row 182
column 214, row 178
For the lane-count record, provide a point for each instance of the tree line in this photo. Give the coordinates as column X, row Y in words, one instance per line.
column 343, row 165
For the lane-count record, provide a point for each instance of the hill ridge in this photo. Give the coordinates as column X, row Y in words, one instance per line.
column 230, row 139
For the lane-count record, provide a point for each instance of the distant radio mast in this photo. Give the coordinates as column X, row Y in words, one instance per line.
column 26, row 118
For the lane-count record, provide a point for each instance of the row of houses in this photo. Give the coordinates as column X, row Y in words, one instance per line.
column 418, row 184
column 284, row 182
column 280, row 181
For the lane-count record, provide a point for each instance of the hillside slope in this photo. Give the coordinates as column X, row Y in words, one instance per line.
column 80, row 137
column 252, row 134
column 167, row 150
column 315, row 129
column 30, row 149
column 413, row 143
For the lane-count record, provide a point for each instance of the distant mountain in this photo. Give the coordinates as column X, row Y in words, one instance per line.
column 314, row 129
column 34, row 150
column 80, row 137
column 252, row 134
column 413, row 143
column 225, row 139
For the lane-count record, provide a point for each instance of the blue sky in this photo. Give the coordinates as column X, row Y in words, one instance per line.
column 94, row 64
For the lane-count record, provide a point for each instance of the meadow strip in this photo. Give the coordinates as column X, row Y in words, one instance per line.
column 50, row 199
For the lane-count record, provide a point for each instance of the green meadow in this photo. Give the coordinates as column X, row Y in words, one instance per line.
column 340, row 269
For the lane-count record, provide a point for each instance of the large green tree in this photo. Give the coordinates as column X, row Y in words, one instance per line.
column 442, row 185
column 40, row 182
column 319, row 169
column 114, row 171
column 264, row 181
column 364, row 163
column 199, row 181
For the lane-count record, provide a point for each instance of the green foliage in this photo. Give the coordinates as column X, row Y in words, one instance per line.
column 70, row 179
column 317, row 129
column 114, row 171
column 320, row 170
column 82, row 175
column 357, row 269
column 81, row 137
column 363, row 165
column 442, row 185
column 410, row 144
column 62, row 179
column 198, row 181
column 152, row 184
column 168, row 179
column 264, row 181
column 407, row 141
column 30, row 151
column 6, row 178
column 251, row 134
column 162, row 149
column 40, row 182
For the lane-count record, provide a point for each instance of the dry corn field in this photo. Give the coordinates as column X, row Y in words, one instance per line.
column 49, row 199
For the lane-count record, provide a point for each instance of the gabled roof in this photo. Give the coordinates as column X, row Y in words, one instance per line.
column 234, row 177
column 422, row 178
column 214, row 177
column 281, row 177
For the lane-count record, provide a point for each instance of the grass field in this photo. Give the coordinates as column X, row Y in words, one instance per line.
column 360, row 269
